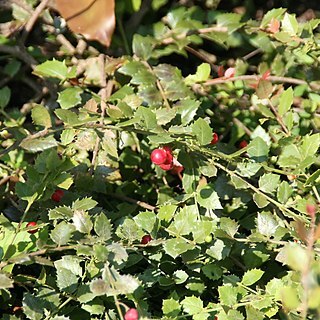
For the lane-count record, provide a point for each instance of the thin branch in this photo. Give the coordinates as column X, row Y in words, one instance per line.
column 134, row 201
column 279, row 119
column 20, row 53
column 215, row 81
column 29, row 25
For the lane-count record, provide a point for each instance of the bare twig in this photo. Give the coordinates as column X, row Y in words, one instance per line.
column 36, row 13
column 20, row 53
column 134, row 201
column 215, row 81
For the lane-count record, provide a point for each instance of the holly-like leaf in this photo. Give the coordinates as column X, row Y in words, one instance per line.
column 202, row 131
column 69, row 97
column 266, row 224
column 192, row 305
column 285, row 101
column 40, row 116
column 252, row 276
column 52, row 68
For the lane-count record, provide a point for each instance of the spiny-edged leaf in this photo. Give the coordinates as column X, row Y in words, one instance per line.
column 184, row 220
column 266, row 224
column 52, row 68
column 218, row 250
column 252, row 276
column 187, row 109
column 102, row 226
column 272, row 14
column 171, row 307
column 62, row 233
column 112, row 283
column 310, row 145
column 146, row 220
column 175, row 247
column 67, row 136
column 212, row 271
column 284, row 191
column 285, row 101
column 231, row 21
column 69, row 97
column 94, row 20
column 264, row 89
column 201, row 230
column 290, row 24
column 258, row 149
column 260, row 200
column 269, row 182
column 71, row 263
column 228, row 295
column 166, row 212
column 202, row 74
column 39, row 144
column 84, row 204
column 60, row 213
column 33, row 306
column 202, row 131
column 192, row 305
column 229, row 226
column 208, row 198
column 129, row 69
column 147, row 118
column 82, row 221
column 40, row 116
column 119, row 254
column 66, row 280
column 5, row 94
column 5, row 281
column 142, row 46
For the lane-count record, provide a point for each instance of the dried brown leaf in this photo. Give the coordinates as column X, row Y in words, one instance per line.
column 94, row 19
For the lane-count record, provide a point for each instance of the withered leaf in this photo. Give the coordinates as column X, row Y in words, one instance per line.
column 94, row 19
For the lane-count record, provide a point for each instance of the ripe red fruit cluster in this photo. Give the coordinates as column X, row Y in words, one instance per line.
column 146, row 239
column 215, row 138
column 131, row 314
column 163, row 158
column 57, row 195
column 32, row 224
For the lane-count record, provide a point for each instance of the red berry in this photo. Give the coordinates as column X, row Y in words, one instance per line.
column 32, row 224
column 57, row 195
column 146, row 239
column 131, row 314
column 215, row 138
column 243, row 144
column 169, row 155
column 158, row 156
column 166, row 167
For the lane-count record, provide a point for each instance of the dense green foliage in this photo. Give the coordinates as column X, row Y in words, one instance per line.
column 234, row 235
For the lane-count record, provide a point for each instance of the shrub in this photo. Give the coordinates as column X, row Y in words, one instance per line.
column 228, row 231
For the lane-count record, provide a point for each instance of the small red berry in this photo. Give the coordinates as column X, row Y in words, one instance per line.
column 57, row 195
column 146, row 239
column 166, row 167
column 158, row 156
column 32, row 224
column 243, row 144
column 169, row 155
column 215, row 138
column 131, row 314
